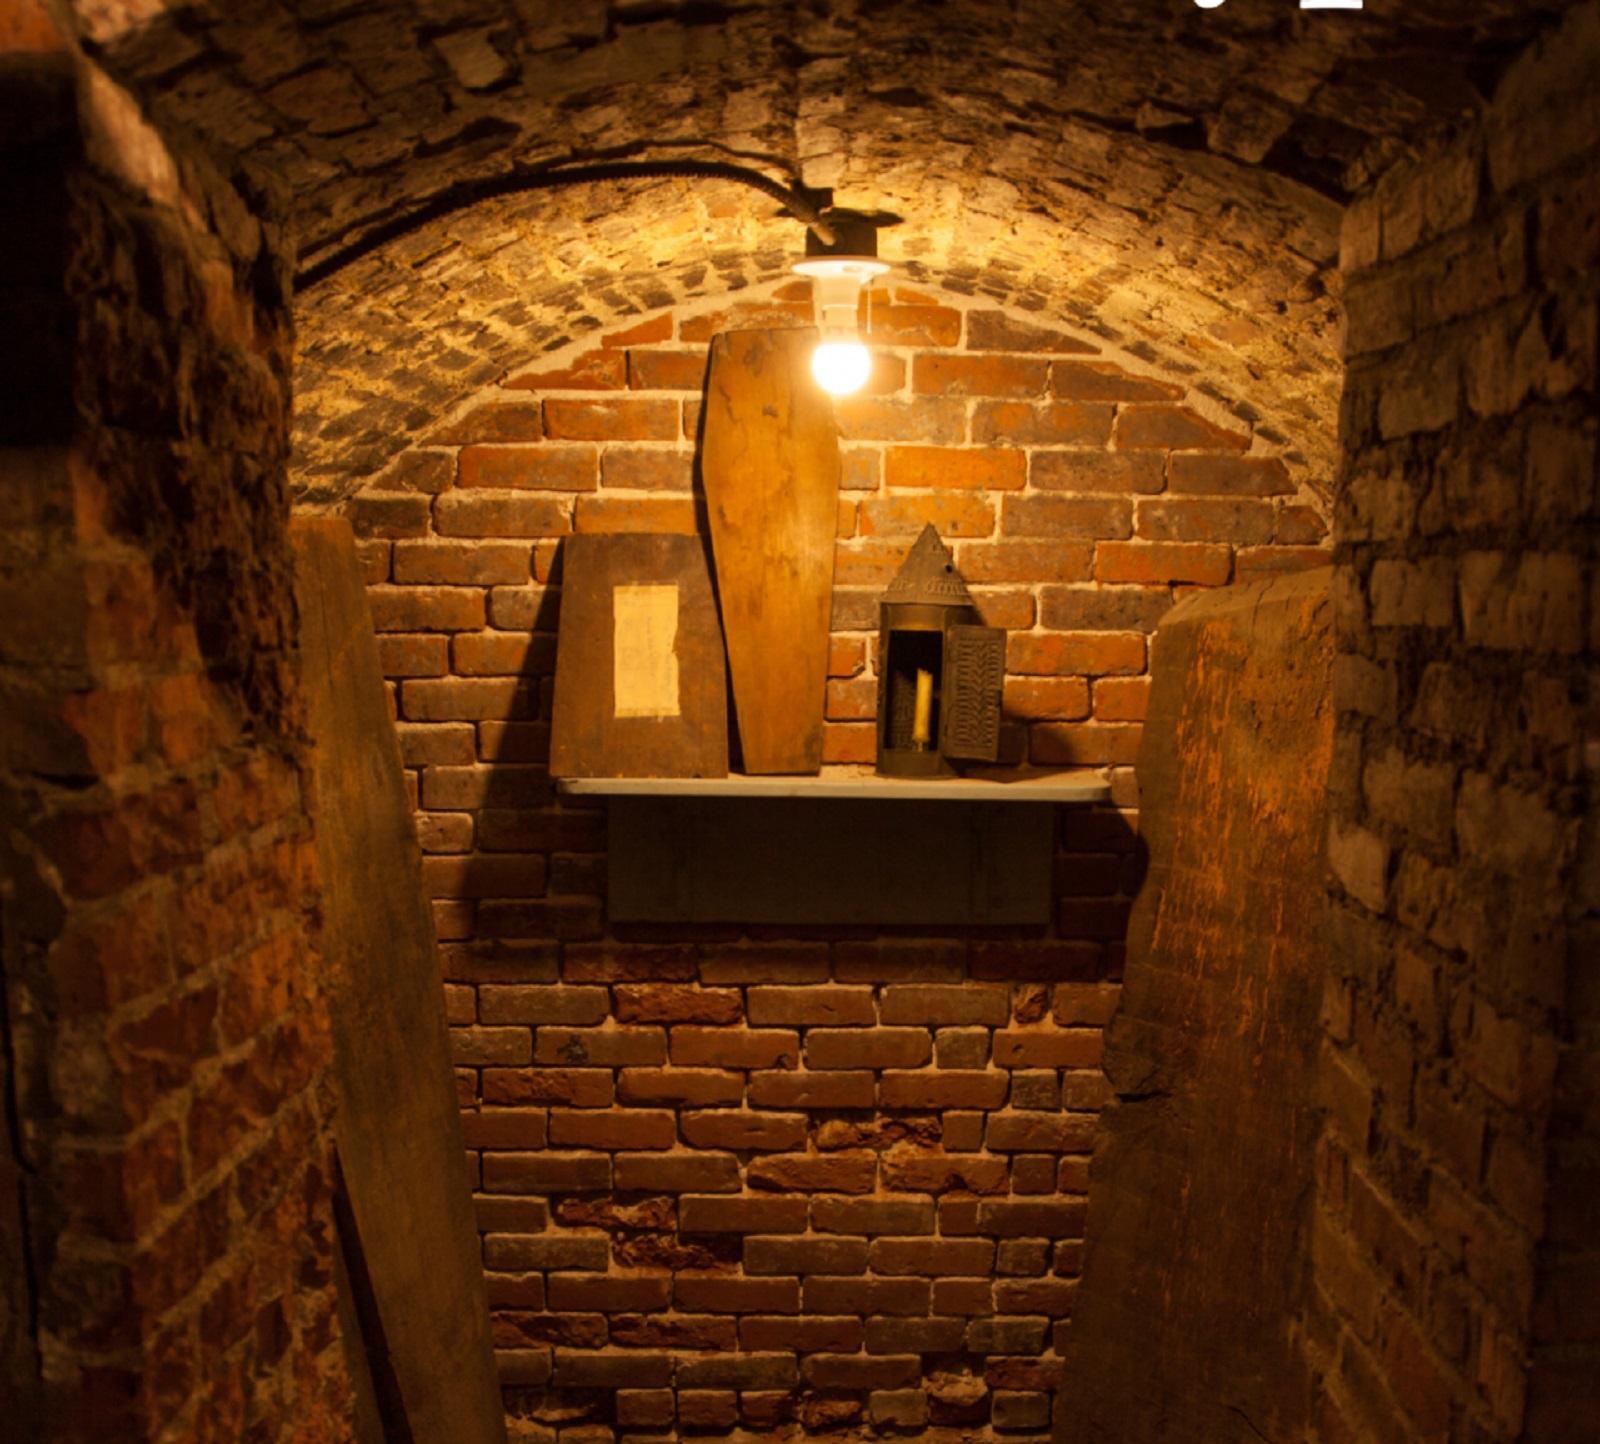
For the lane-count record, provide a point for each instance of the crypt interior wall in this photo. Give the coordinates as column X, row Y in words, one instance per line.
column 858, row 1156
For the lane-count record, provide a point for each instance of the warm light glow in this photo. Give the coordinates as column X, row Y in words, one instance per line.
column 841, row 366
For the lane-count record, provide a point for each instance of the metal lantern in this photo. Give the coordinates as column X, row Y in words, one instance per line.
column 939, row 669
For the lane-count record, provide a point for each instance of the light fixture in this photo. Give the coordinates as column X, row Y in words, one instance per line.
column 838, row 270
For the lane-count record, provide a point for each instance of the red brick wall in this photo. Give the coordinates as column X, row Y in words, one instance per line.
column 1456, row 1220
column 163, row 1041
column 736, row 1176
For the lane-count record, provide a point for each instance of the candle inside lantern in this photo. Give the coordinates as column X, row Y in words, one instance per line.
column 922, row 718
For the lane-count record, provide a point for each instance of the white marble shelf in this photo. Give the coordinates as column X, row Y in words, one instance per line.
column 859, row 784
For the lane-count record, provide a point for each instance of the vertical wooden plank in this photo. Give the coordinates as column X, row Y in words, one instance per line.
column 399, row 1131
column 770, row 458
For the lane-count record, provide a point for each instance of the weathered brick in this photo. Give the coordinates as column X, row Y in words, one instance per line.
column 676, row 1003
column 501, row 514
column 1092, row 744
column 613, row 1129
column 809, row 1089
column 737, row 1047
column 811, row 1006
column 943, row 1088
column 897, row 1408
column 647, row 1409
column 685, row 1087
column 547, row 1251
column 545, row 1173
column 751, row 1214
column 491, row 421
column 1199, row 519
column 1066, row 516
column 927, row 1257
column 1085, row 653
column 1142, row 426
column 677, row 1173
column 1203, row 475
column 672, row 514
column 719, row 1293
column 601, row 369
column 575, row 1087
column 1101, row 381
column 1007, row 1336
column 779, row 1254
column 1026, row 561
column 1094, row 471
column 971, row 1298
column 1016, row 1410
column 1036, row 1296
column 887, row 1335
column 872, row 1216
column 541, row 1003
column 413, row 655
column 1016, row 1218
column 944, row 1006
column 601, row 1047
column 503, row 654
column 943, row 1172
column 954, row 514
column 956, row 375
column 861, row 1371
column 813, row 1173
column 638, row 468
column 1047, row 1048
column 630, row 420
column 426, row 609
column 903, row 1297
column 1015, row 423
column 743, row 1132
column 536, row 468
column 707, row 1408
column 803, row 1335
column 1033, row 699
column 474, row 699
column 881, row 1048
column 587, row 1293
column 505, row 1128
column 922, row 467
column 1040, row 1133
column 739, row 1371
column 1145, row 562
column 474, row 1046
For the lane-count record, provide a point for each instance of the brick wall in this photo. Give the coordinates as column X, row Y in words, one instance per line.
column 730, row 1177
column 1456, row 1222
column 166, row 1223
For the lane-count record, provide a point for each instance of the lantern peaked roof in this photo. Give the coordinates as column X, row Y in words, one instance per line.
column 928, row 575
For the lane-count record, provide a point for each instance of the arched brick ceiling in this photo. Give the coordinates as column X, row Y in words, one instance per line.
column 1167, row 175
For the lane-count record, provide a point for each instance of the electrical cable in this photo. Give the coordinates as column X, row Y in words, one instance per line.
column 468, row 193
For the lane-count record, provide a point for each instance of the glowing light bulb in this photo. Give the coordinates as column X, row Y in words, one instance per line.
column 841, row 367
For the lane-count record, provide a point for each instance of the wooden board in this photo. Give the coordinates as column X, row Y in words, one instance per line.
column 770, row 458
column 1184, row 1329
column 641, row 680
column 809, row 860
column 399, row 1132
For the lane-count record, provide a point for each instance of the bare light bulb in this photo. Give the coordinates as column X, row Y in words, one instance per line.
column 841, row 367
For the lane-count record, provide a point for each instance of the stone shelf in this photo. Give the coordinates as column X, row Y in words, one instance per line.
column 861, row 784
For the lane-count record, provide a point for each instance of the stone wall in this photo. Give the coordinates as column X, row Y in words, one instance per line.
column 166, row 1227
column 1456, row 1221
column 737, row 1177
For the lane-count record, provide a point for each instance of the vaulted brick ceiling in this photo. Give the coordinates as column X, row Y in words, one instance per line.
column 1169, row 176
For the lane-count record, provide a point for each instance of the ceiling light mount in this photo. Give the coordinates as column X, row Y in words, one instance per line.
column 838, row 270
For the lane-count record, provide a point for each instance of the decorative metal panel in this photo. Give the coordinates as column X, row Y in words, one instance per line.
column 974, row 671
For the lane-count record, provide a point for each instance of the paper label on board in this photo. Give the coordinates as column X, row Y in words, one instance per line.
column 644, row 651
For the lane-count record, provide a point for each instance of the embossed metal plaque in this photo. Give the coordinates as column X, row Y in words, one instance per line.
column 974, row 671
